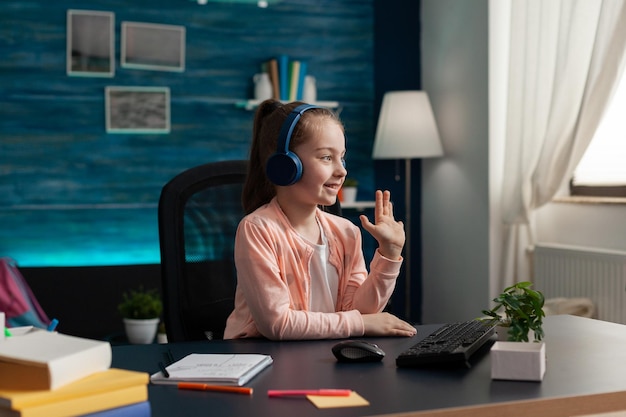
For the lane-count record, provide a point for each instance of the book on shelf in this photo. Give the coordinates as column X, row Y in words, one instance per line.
column 141, row 409
column 294, row 77
column 283, row 76
column 287, row 77
column 214, row 368
column 272, row 69
column 301, row 78
column 39, row 359
column 97, row 392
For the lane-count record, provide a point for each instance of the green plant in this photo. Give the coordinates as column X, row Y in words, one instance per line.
column 350, row 182
column 523, row 311
column 140, row 304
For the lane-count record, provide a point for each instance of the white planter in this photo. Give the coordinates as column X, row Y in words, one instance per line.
column 348, row 194
column 141, row 332
column 520, row 361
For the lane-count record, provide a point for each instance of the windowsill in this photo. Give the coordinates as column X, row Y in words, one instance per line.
column 579, row 199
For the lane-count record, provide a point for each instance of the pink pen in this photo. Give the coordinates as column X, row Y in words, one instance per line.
column 301, row 392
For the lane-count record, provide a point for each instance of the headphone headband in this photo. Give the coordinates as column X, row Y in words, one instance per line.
column 289, row 124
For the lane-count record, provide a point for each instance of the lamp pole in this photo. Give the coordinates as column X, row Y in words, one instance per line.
column 406, row 130
column 407, row 244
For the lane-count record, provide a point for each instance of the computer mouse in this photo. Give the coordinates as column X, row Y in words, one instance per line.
column 357, row 351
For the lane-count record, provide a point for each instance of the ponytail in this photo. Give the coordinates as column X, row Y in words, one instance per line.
column 258, row 190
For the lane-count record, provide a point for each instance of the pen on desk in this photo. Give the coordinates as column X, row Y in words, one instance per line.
column 301, row 392
column 163, row 370
column 169, row 358
column 7, row 332
column 53, row 325
column 218, row 388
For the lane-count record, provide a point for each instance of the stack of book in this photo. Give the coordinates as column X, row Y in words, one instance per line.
column 49, row 374
column 287, row 77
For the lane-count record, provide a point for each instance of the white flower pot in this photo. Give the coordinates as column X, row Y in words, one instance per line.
column 141, row 331
column 348, row 194
column 521, row 361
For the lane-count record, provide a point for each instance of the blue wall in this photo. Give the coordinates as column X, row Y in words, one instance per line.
column 71, row 194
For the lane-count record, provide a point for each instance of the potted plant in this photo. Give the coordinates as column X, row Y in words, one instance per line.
column 141, row 310
column 349, row 190
column 516, row 358
column 523, row 312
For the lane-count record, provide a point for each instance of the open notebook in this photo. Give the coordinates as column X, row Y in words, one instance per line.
column 214, row 368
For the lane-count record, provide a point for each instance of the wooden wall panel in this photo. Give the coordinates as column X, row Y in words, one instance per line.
column 71, row 194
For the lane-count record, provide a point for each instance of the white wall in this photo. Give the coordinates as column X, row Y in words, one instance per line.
column 455, row 194
column 461, row 190
column 589, row 225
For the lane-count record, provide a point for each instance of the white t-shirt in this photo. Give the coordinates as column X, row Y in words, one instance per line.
column 324, row 279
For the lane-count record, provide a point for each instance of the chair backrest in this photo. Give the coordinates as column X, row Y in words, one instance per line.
column 199, row 211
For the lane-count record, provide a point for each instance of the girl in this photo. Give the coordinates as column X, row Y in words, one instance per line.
column 300, row 271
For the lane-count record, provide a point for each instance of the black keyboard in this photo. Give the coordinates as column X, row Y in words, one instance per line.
column 451, row 345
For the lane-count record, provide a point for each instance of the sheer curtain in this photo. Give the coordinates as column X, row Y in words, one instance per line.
column 564, row 59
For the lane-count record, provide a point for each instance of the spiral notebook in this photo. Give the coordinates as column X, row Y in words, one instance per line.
column 214, row 368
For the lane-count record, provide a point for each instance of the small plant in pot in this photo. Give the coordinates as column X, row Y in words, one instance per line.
column 349, row 190
column 516, row 359
column 523, row 311
column 141, row 310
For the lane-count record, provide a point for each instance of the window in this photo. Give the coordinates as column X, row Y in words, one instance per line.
column 602, row 169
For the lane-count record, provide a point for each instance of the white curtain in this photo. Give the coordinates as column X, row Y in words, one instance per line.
column 565, row 58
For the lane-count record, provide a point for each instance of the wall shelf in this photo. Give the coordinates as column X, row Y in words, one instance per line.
column 358, row 205
column 253, row 104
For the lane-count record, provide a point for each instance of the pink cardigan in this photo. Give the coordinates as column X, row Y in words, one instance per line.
column 273, row 279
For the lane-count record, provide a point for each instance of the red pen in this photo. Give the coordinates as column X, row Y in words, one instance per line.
column 301, row 392
column 218, row 388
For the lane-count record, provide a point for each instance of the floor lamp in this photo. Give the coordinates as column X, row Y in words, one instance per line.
column 406, row 130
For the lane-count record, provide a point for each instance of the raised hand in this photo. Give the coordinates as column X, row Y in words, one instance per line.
column 388, row 232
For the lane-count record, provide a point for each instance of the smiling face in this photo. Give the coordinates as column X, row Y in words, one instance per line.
column 323, row 172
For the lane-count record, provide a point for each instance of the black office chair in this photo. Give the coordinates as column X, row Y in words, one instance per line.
column 199, row 211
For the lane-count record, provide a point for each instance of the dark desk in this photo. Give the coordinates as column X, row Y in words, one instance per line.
column 586, row 360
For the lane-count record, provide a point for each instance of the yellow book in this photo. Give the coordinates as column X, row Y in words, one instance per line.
column 294, row 76
column 99, row 391
column 82, row 405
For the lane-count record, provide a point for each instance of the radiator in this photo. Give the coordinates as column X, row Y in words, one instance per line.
column 568, row 271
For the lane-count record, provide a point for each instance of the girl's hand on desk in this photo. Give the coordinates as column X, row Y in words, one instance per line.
column 388, row 232
column 385, row 324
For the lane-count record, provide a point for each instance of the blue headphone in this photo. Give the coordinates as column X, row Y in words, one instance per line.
column 284, row 167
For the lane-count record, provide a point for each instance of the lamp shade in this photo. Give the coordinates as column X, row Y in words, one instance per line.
column 406, row 127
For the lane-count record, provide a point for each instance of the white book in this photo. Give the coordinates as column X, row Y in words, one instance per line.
column 214, row 368
column 39, row 359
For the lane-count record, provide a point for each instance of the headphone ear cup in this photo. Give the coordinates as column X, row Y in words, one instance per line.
column 284, row 168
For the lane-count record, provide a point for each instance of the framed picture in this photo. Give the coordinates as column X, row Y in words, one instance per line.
column 90, row 43
column 153, row 47
column 137, row 109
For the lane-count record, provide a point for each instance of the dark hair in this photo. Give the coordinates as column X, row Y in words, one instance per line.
column 268, row 120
